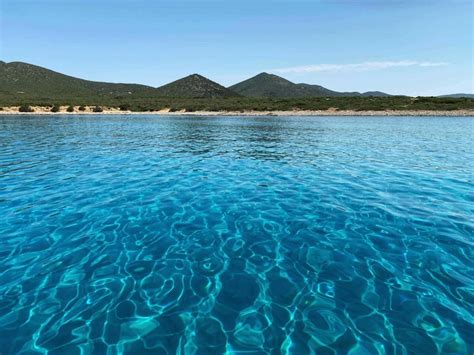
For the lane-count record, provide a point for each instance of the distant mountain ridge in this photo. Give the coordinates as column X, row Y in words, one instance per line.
column 17, row 78
column 271, row 85
column 22, row 80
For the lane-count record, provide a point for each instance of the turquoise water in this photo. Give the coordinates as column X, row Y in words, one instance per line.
column 145, row 234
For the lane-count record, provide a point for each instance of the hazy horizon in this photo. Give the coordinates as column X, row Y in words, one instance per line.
column 399, row 47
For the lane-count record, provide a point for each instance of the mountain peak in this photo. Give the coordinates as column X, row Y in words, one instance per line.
column 194, row 86
column 266, row 75
column 271, row 85
column 195, row 76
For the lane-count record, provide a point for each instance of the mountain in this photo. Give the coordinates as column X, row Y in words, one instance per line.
column 23, row 82
column 270, row 85
column 459, row 96
column 374, row 94
column 195, row 86
column 29, row 80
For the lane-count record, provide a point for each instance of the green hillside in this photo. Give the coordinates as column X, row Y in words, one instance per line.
column 273, row 86
column 194, row 86
column 31, row 81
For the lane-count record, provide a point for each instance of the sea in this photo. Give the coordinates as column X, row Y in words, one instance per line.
column 146, row 234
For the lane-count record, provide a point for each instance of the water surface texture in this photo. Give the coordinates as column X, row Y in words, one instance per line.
column 164, row 235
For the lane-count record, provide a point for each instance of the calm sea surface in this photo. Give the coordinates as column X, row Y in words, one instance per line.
column 146, row 234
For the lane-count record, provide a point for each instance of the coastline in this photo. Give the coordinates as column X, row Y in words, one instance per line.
column 115, row 111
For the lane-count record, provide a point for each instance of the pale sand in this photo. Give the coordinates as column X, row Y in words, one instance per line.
column 331, row 112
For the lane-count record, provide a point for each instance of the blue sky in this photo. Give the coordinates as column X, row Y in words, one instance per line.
column 416, row 47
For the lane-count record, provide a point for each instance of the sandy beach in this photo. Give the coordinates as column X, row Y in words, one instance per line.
column 14, row 110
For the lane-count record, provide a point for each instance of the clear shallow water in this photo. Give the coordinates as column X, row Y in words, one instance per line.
column 250, row 235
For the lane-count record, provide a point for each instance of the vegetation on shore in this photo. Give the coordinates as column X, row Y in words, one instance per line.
column 398, row 103
column 25, row 108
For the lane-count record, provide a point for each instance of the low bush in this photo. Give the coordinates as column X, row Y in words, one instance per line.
column 55, row 108
column 124, row 107
column 70, row 109
column 25, row 108
column 82, row 108
column 97, row 109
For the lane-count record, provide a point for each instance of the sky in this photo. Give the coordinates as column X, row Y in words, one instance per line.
column 412, row 47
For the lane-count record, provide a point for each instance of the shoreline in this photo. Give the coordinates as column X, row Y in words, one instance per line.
column 327, row 113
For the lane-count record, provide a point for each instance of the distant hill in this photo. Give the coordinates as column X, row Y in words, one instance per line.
column 459, row 96
column 27, row 83
column 29, row 80
column 195, row 86
column 270, row 85
column 374, row 94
